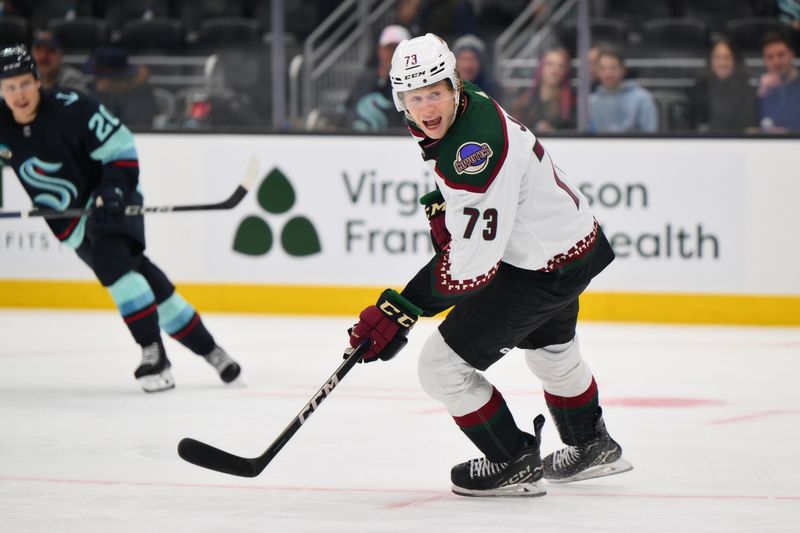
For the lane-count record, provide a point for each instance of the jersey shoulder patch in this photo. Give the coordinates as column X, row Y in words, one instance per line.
column 473, row 151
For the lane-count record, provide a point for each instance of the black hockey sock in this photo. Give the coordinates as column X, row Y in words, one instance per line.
column 136, row 304
column 575, row 417
column 182, row 323
column 492, row 429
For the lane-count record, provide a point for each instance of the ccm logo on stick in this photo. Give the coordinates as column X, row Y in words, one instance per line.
column 316, row 400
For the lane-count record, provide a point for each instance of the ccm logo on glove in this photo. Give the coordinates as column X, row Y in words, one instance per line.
column 397, row 314
column 434, row 209
column 386, row 324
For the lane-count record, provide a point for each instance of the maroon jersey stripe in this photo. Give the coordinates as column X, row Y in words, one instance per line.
column 538, row 150
column 563, row 185
column 67, row 232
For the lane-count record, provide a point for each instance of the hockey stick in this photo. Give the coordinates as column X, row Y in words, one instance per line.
column 202, row 454
column 250, row 176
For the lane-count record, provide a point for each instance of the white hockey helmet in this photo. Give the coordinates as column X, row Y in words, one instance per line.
column 419, row 62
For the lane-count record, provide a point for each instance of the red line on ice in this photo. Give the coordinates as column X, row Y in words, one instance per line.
column 424, row 494
column 759, row 414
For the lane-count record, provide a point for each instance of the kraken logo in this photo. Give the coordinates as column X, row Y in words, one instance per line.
column 58, row 192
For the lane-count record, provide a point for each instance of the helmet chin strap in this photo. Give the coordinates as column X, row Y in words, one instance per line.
column 456, row 99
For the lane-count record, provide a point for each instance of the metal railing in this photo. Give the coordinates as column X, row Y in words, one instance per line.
column 334, row 55
column 517, row 49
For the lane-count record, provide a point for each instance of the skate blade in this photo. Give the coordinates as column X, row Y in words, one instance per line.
column 157, row 382
column 524, row 490
column 617, row 467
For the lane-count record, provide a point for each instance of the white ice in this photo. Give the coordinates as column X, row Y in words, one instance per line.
column 709, row 416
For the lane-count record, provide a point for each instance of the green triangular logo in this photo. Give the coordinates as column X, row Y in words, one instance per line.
column 276, row 194
column 253, row 237
column 299, row 237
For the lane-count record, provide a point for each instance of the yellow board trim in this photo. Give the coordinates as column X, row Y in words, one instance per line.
column 759, row 310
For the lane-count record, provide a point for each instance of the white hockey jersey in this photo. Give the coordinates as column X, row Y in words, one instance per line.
column 506, row 199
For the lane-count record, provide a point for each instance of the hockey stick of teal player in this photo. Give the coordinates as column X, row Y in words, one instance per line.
column 207, row 456
column 251, row 174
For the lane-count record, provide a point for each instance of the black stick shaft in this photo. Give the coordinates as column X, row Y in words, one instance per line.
column 135, row 210
column 311, row 406
column 206, row 456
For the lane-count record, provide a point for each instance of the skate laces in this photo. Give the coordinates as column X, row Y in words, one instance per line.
column 218, row 358
column 151, row 355
column 482, row 467
column 566, row 456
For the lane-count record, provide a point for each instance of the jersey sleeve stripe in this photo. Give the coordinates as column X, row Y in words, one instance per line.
column 538, row 150
column 67, row 232
column 119, row 146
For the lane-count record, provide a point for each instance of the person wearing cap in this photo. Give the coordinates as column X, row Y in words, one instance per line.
column 70, row 152
column 122, row 87
column 471, row 62
column 53, row 73
column 515, row 245
column 369, row 104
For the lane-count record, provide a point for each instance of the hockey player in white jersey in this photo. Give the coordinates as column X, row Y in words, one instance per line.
column 516, row 244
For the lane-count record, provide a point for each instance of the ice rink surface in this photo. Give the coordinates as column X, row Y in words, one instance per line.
column 709, row 416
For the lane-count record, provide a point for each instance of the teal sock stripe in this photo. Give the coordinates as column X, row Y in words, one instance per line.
column 174, row 313
column 131, row 293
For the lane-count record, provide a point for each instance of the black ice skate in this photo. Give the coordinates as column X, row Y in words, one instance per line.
column 599, row 457
column 518, row 477
column 153, row 373
column 227, row 368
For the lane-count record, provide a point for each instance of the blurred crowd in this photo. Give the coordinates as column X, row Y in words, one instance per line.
column 755, row 89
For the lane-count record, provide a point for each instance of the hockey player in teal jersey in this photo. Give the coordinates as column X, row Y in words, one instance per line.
column 516, row 245
column 70, row 152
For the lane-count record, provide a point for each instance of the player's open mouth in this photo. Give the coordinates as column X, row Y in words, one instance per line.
column 432, row 124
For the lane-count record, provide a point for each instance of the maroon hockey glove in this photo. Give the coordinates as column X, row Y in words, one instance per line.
column 434, row 209
column 386, row 324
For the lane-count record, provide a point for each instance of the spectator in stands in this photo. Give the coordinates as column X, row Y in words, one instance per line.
column 122, row 87
column 370, row 101
column 235, row 93
column 789, row 12
column 448, row 19
column 472, row 62
column 779, row 87
column 9, row 7
column 594, row 56
column 550, row 104
column 723, row 99
column 617, row 105
column 49, row 58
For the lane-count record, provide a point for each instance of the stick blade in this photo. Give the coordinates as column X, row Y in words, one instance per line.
column 250, row 174
column 204, row 455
